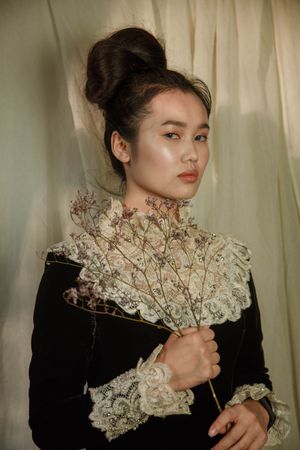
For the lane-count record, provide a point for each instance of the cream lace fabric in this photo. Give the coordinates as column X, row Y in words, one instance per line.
column 128, row 400
column 161, row 270
column 281, row 426
column 157, row 398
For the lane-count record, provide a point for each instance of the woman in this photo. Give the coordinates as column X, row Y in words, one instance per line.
column 164, row 346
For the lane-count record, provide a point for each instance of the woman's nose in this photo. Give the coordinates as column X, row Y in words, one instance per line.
column 190, row 152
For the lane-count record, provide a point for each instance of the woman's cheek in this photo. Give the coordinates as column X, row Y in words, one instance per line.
column 166, row 152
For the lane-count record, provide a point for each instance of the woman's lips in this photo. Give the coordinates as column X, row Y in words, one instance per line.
column 189, row 176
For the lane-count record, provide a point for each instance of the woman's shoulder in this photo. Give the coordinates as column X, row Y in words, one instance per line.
column 69, row 250
column 238, row 248
column 61, row 265
column 227, row 245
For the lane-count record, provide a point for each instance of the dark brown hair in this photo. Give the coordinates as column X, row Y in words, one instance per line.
column 125, row 71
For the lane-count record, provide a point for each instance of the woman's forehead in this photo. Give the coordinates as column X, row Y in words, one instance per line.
column 176, row 106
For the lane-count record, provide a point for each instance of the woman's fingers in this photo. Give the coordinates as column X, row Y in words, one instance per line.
column 185, row 331
column 216, row 369
column 227, row 416
column 212, row 346
column 244, row 429
column 207, row 333
column 215, row 358
column 192, row 357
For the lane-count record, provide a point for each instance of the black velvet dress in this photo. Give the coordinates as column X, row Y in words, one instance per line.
column 73, row 349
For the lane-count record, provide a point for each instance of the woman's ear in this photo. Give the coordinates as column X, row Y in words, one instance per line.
column 120, row 147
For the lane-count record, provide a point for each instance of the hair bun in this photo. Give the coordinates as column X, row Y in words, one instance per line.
column 113, row 59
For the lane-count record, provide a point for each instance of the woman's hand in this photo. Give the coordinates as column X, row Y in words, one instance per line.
column 246, row 424
column 192, row 357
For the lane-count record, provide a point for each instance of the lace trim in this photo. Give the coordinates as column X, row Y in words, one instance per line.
column 281, row 427
column 116, row 407
column 199, row 277
column 157, row 397
column 129, row 399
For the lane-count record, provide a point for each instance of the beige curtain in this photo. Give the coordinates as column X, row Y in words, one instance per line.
column 248, row 51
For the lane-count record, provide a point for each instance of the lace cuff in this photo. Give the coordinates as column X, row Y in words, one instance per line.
column 116, row 408
column 129, row 399
column 157, row 397
column 281, row 427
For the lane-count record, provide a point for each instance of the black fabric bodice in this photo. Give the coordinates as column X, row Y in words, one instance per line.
column 73, row 349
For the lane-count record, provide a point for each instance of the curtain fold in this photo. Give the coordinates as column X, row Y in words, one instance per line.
column 248, row 52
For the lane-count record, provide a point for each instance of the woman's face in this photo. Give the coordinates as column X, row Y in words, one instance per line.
column 171, row 151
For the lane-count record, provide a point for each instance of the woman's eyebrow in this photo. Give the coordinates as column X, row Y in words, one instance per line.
column 178, row 123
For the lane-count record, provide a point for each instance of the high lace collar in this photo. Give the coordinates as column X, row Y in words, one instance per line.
column 163, row 220
column 162, row 214
column 155, row 267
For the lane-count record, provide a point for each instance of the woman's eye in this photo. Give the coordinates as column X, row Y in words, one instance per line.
column 201, row 138
column 172, row 135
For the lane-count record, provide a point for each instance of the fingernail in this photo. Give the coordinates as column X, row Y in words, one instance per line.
column 212, row 432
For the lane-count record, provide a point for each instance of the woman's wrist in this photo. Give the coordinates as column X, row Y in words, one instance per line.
column 260, row 411
column 161, row 358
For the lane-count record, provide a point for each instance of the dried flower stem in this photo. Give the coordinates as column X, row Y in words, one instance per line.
column 150, row 269
column 214, row 395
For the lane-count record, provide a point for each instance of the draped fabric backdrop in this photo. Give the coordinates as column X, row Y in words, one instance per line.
column 248, row 52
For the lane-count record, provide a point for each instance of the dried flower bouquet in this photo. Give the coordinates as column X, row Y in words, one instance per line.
column 154, row 267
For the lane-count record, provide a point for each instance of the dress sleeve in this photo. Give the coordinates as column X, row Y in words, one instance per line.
column 64, row 412
column 62, row 344
column 129, row 399
column 251, row 375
